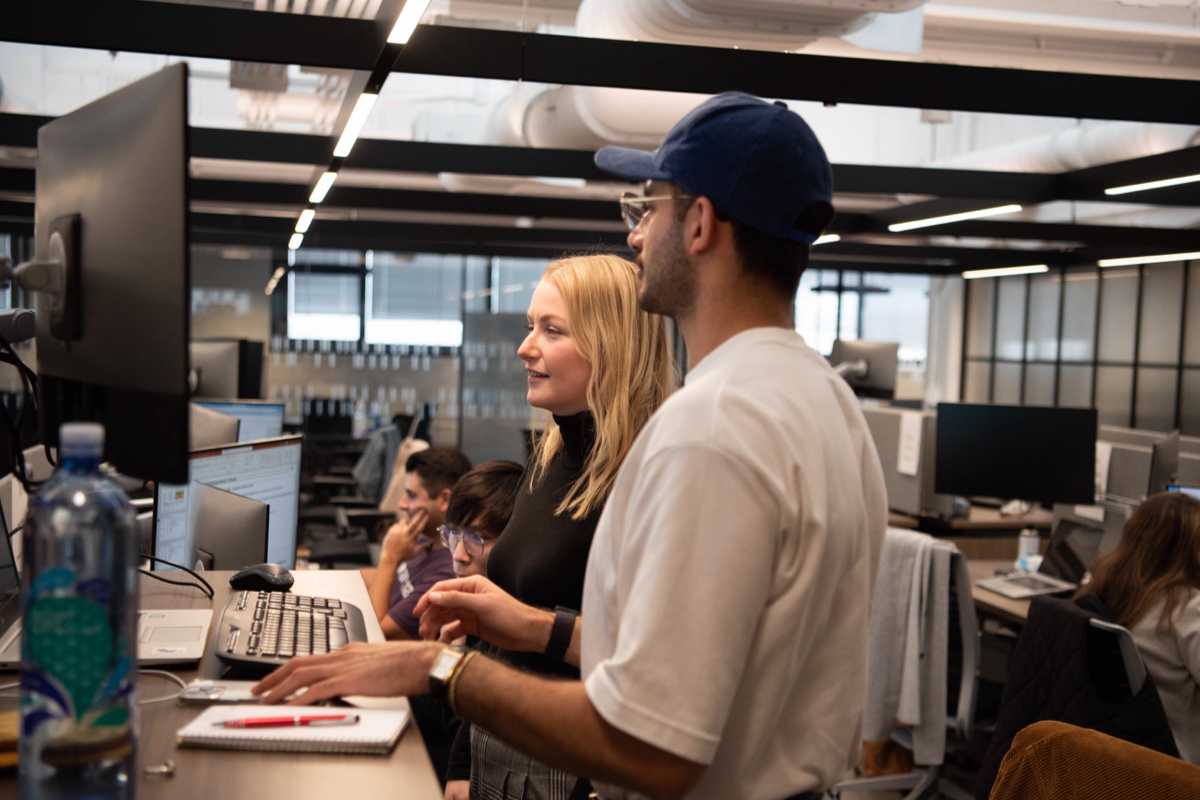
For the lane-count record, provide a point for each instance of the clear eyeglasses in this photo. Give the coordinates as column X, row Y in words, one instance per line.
column 473, row 543
column 634, row 206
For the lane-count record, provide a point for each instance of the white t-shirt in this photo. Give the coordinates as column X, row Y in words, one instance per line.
column 730, row 578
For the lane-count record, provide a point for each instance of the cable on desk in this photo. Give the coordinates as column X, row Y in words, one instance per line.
column 206, row 588
column 162, row 674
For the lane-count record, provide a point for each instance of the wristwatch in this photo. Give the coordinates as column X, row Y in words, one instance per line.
column 443, row 672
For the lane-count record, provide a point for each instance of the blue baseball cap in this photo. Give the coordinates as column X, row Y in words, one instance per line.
column 757, row 161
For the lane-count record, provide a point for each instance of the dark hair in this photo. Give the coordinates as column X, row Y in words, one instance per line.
column 1158, row 558
column 779, row 263
column 439, row 468
column 485, row 496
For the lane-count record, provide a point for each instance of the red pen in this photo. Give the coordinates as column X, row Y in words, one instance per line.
column 290, row 722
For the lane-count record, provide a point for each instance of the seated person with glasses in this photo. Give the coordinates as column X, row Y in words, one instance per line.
column 479, row 507
column 412, row 557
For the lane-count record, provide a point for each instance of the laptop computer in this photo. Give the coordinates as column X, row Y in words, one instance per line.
column 1074, row 544
column 168, row 636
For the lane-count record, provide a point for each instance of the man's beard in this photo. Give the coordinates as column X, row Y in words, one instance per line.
column 669, row 287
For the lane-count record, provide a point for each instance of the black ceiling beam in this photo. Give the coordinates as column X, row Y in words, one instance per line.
column 1092, row 181
column 197, row 30
column 547, row 58
column 1024, row 187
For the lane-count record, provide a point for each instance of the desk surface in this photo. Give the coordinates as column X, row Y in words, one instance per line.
column 233, row 775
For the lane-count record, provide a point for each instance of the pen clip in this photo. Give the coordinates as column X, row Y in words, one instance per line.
column 349, row 719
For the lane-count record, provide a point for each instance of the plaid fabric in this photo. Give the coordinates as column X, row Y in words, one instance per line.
column 498, row 772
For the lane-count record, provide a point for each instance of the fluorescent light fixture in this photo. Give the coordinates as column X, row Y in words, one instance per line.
column 306, row 218
column 406, row 23
column 354, row 125
column 828, row 238
column 999, row 272
column 1142, row 187
column 295, row 242
column 925, row 223
column 322, row 187
column 1125, row 262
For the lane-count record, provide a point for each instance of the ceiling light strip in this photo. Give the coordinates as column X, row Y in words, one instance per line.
column 828, row 238
column 354, row 125
column 306, row 218
column 1125, row 262
column 295, row 242
column 945, row 220
column 1144, row 187
column 1000, row 272
column 322, row 188
column 407, row 22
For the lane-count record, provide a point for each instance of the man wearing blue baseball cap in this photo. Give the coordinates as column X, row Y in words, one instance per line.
column 723, row 634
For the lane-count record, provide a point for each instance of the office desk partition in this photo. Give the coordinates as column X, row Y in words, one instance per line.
column 249, row 775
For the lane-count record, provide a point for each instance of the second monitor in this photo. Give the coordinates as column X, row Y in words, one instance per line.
column 266, row 471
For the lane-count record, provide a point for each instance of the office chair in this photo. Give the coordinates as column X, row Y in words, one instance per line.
column 353, row 533
column 924, row 586
column 1071, row 664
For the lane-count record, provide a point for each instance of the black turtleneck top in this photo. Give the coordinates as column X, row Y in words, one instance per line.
column 541, row 557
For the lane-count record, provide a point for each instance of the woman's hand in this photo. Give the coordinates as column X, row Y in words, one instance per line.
column 479, row 607
column 458, row 790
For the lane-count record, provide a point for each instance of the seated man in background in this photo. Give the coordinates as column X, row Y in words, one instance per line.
column 413, row 557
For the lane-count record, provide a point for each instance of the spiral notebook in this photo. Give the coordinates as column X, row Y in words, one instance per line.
column 376, row 732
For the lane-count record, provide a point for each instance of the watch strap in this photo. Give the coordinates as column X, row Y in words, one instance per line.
column 561, row 633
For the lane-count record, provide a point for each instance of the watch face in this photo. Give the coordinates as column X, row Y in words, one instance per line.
column 445, row 664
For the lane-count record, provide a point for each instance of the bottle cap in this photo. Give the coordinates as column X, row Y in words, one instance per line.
column 81, row 439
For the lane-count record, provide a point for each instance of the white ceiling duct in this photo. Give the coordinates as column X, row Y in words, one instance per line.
column 760, row 24
column 1078, row 147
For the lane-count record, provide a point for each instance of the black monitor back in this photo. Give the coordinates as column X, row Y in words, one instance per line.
column 1009, row 452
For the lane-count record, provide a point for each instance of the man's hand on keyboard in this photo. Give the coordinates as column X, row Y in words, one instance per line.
column 382, row 669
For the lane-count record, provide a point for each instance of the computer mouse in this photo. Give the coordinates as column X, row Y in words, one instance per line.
column 262, row 578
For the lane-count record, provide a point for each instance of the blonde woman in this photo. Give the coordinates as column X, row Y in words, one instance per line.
column 599, row 367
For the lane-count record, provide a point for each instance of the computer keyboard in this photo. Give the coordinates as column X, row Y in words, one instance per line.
column 261, row 630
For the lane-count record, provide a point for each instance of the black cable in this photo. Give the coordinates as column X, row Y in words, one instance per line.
column 16, row 530
column 206, row 588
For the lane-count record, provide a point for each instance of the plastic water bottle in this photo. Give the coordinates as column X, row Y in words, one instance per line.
column 78, row 644
column 1029, row 546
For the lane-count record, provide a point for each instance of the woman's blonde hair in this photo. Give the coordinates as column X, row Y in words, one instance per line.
column 632, row 373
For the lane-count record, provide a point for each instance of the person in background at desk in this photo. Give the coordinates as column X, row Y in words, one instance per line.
column 480, row 506
column 760, row 473
column 412, row 557
column 1151, row 585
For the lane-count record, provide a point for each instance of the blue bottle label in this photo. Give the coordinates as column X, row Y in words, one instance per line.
column 74, row 669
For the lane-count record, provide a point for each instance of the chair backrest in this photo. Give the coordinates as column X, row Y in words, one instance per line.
column 963, row 606
column 1117, row 670
column 1065, row 667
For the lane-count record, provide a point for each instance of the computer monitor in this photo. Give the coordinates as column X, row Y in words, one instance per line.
column 210, row 428
column 261, row 419
column 1075, row 542
column 111, row 212
column 267, row 471
column 1016, row 452
column 869, row 367
column 226, row 368
column 232, row 531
